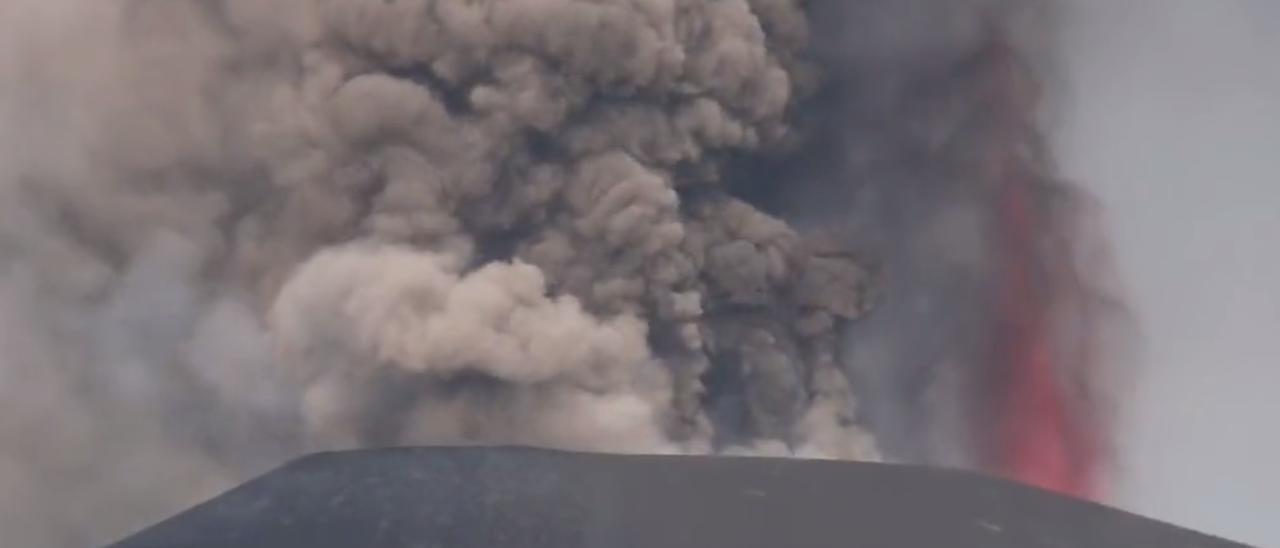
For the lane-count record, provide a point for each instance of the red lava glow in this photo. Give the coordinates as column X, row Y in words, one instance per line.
column 1043, row 436
column 1040, row 440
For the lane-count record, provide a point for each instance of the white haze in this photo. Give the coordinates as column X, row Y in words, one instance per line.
column 1174, row 120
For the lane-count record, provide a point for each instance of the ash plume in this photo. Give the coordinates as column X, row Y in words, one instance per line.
column 997, row 338
column 234, row 231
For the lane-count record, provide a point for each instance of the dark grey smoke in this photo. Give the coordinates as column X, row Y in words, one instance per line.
column 233, row 231
column 902, row 124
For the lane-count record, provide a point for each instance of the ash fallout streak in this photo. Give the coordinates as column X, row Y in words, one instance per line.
column 241, row 230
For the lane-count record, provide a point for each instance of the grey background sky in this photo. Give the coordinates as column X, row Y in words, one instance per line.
column 1175, row 122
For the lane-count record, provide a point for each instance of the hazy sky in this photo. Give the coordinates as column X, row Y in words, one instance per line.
column 1175, row 121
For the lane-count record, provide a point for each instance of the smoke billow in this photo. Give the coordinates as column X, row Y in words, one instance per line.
column 233, row 231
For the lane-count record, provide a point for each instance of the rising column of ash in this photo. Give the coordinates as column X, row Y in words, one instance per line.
column 234, row 231
column 986, row 349
column 504, row 222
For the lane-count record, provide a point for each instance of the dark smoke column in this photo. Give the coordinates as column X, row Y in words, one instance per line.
column 984, row 347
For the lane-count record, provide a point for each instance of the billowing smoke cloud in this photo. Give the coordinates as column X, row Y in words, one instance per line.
column 491, row 357
column 234, row 231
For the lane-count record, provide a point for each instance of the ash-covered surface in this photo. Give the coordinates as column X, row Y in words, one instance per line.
column 491, row 498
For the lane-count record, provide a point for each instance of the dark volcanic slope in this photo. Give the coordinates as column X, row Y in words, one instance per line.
column 493, row 498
